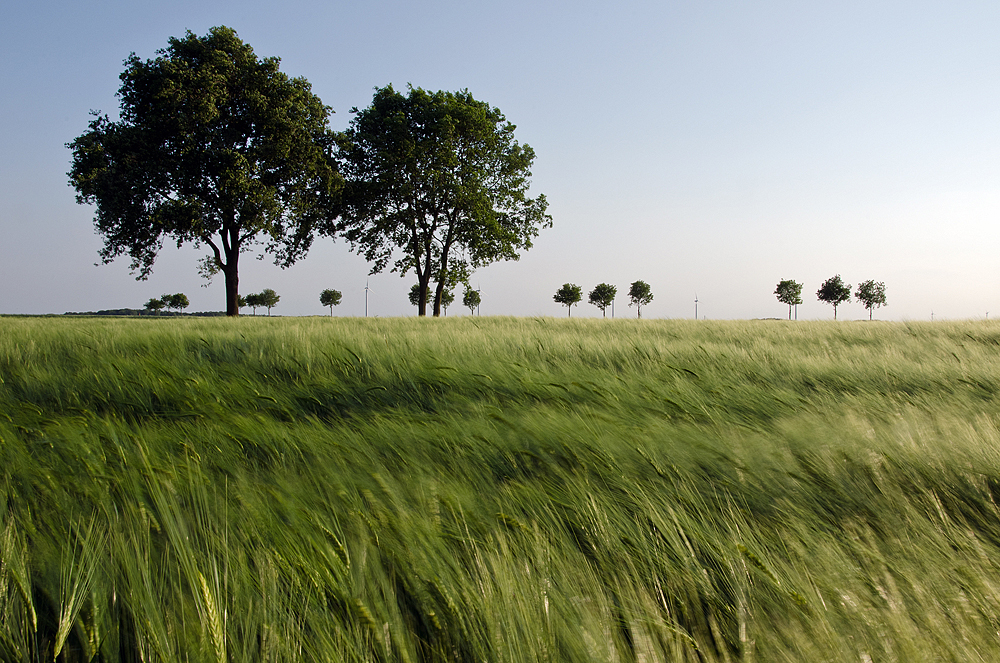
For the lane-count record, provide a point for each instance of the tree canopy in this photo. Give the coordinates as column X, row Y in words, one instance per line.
column 834, row 291
column 269, row 299
column 177, row 301
column 871, row 294
column 789, row 292
column 215, row 147
column 568, row 295
column 639, row 295
column 471, row 299
column 602, row 295
column 330, row 298
column 436, row 183
column 154, row 305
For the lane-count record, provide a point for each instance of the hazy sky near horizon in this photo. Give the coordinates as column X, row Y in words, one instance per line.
column 710, row 147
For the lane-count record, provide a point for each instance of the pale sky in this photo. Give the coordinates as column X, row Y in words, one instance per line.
column 703, row 147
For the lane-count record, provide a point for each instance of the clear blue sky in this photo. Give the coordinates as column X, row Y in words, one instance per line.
column 709, row 147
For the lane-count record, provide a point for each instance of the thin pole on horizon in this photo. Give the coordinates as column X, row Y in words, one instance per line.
column 696, row 306
column 366, row 298
column 479, row 291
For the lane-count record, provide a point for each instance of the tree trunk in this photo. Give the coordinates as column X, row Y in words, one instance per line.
column 232, row 286
column 789, row 311
column 422, row 282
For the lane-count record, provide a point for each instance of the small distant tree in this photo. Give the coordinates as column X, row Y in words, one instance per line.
column 602, row 296
column 834, row 291
column 241, row 302
column 154, row 305
column 568, row 295
column 639, row 294
column 471, row 300
column 414, row 294
column 176, row 302
column 330, row 298
column 871, row 294
column 447, row 299
column 789, row 292
column 254, row 300
column 269, row 299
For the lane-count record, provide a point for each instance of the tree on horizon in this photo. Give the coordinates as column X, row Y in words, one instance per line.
column 639, row 294
column 216, row 148
column 568, row 295
column 436, row 184
column 601, row 296
column 789, row 292
column 834, row 291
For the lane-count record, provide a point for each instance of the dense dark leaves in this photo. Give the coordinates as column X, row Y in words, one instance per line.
column 213, row 147
column 436, row 183
column 602, row 295
column 834, row 291
column 568, row 295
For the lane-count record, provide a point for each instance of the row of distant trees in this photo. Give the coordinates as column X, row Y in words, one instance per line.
column 267, row 298
column 835, row 292
column 177, row 302
column 603, row 296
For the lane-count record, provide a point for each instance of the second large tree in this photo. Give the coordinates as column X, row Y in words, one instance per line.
column 436, row 183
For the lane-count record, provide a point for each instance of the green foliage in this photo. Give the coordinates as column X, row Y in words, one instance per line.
column 568, row 295
column 789, row 292
column 254, row 301
column 471, row 299
column 154, row 305
column 330, row 298
column 497, row 489
column 639, row 295
column 269, row 299
column 871, row 294
column 214, row 147
column 177, row 302
column 602, row 295
column 834, row 291
column 436, row 183
column 447, row 299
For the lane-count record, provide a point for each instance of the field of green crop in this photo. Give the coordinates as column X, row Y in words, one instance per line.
column 498, row 489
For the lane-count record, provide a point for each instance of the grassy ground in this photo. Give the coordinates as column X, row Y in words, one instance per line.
column 498, row 489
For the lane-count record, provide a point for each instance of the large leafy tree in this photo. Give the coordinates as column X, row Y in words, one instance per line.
column 834, row 291
column 871, row 294
column 436, row 183
column 214, row 147
column 789, row 292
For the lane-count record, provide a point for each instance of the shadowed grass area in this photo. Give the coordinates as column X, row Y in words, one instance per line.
column 498, row 489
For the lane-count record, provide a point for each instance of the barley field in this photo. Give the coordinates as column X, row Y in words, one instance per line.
column 498, row 489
